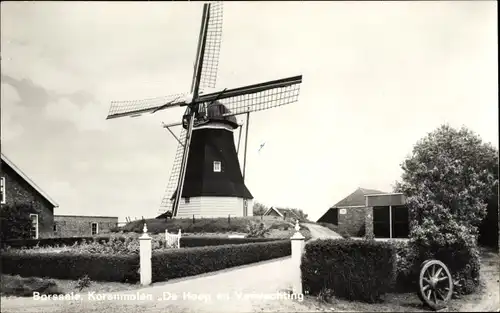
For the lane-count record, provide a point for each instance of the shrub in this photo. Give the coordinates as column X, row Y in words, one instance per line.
column 68, row 265
column 120, row 245
column 257, row 230
column 405, row 264
column 193, row 261
column 15, row 221
column 83, row 282
column 24, row 287
column 48, row 242
column 446, row 181
column 462, row 261
column 194, row 241
column 352, row 269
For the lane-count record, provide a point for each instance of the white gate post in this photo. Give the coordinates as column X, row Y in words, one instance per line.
column 179, row 239
column 298, row 244
column 145, row 257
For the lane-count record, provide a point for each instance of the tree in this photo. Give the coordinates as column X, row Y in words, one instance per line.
column 302, row 216
column 448, row 180
column 15, row 221
column 259, row 209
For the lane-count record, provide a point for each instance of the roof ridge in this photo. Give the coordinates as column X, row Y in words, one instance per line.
column 27, row 179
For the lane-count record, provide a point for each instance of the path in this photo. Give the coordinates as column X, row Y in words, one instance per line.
column 321, row 232
column 489, row 298
column 269, row 278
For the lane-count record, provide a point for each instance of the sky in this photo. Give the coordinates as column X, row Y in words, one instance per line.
column 377, row 77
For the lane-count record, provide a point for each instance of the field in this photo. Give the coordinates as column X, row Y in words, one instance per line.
column 15, row 285
column 278, row 228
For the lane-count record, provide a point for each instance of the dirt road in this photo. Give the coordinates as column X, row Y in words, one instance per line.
column 321, row 232
column 488, row 299
column 234, row 290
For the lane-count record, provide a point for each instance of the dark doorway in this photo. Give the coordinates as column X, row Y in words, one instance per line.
column 331, row 217
column 400, row 222
column 381, row 222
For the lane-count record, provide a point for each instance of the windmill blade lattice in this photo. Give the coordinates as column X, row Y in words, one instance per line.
column 208, row 77
column 262, row 100
column 132, row 107
column 174, row 175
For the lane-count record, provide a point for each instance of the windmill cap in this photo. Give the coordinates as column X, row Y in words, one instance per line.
column 215, row 112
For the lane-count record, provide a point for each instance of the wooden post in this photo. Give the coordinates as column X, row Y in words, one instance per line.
column 390, row 222
column 179, row 239
column 298, row 245
column 229, row 219
column 246, row 144
column 193, row 218
column 145, row 257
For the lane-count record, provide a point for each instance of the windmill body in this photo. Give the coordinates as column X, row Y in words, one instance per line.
column 206, row 179
column 213, row 185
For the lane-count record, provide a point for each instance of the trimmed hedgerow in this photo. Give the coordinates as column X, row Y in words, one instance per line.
column 362, row 270
column 194, row 241
column 68, row 265
column 53, row 242
column 193, row 261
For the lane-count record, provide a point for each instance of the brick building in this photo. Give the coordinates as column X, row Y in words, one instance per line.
column 80, row 226
column 368, row 211
column 18, row 189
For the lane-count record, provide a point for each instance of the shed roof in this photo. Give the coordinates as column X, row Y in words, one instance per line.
column 282, row 212
column 28, row 180
column 356, row 198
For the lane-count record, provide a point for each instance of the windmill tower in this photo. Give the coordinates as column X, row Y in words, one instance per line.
column 206, row 179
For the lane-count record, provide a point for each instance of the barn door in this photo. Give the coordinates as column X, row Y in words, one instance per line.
column 335, row 216
column 381, row 222
column 400, row 227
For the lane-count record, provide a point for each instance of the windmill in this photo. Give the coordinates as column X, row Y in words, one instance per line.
column 206, row 178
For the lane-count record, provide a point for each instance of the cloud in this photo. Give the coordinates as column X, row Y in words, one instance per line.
column 10, row 109
column 88, row 116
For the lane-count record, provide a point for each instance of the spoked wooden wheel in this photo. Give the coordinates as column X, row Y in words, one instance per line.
column 435, row 284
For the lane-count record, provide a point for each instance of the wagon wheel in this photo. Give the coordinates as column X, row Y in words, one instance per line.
column 435, row 284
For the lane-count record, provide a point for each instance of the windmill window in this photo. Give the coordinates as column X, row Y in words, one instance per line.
column 217, row 166
column 2, row 190
column 94, row 228
column 186, row 200
column 34, row 226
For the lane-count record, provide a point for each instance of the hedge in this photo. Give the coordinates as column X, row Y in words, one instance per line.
column 362, row 270
column 195, row 241
column 189, row 241
column 193, row 261
column 68, row 265
column 47, row 242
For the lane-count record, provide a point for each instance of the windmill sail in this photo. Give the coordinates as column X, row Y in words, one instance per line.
column 212, row 47
column 166, row 203
column 137, row 107
column 263, row 100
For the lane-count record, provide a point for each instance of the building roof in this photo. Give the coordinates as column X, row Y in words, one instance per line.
column 28, row 180
column 86, row 216
column 357, row 198
column 281, row 212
